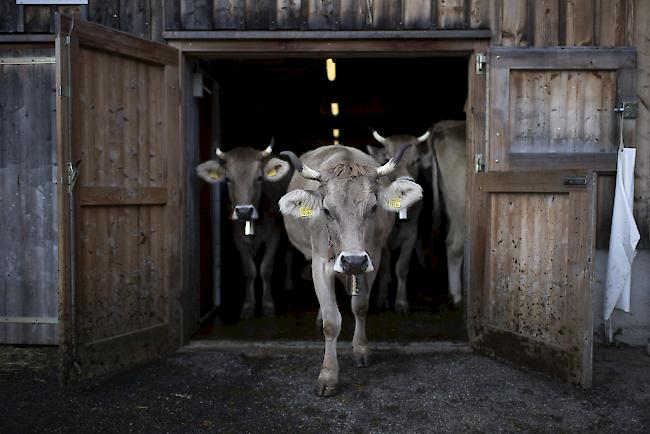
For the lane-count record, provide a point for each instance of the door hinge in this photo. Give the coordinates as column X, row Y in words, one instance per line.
column 481, row 62
column 63, row 91
column 479, row 163
column 629, row 109
column 576, row 181
column 71, row 175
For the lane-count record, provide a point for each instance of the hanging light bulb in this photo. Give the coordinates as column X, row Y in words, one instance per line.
column 330, row 66
column 335, row 109
column 335, row 133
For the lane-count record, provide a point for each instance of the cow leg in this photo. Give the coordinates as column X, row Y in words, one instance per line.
column 266, row 271
column 360, row 347
column 324, row 286
column 384, row 279
column 250, row 272
column 454, row 244
column 402, row 272
column 288, row 277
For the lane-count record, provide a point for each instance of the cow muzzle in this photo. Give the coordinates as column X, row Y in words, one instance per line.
column 245, row 212
column 353, row 263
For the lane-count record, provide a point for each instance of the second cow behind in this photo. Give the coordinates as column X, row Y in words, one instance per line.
column 255, row 182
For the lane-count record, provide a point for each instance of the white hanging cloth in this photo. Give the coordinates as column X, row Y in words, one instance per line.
column 624, row 236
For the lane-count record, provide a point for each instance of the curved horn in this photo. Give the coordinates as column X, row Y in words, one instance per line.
column 392, row 164
column 220, row 155
column 378, row 137
column 304, row 170
column 424, row 137
column 269, row 148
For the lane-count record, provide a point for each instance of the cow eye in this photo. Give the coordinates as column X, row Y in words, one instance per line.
column 327, row 213
column 373, row 209
column 259, row 178
column 228, row 179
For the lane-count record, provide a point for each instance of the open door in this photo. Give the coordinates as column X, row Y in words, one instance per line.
column 119, row 161
column 551, row 126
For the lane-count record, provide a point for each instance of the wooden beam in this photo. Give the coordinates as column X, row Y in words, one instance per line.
column 569, row 58
column 115, row 196
column 328, row 34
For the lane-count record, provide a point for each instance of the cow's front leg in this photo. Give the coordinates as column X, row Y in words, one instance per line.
column 324, row 286
column 402, row 272
column 266, row 271
column 360, row 347
column 454, row 244
column 250, row 272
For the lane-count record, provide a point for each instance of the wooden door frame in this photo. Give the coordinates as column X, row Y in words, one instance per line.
column 224, row 45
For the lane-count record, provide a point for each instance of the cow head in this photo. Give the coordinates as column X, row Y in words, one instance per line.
column 353, row 203
column 244, row 170
column 417, row 157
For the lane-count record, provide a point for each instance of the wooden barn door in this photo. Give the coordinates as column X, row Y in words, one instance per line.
column 119, row 160
column 551, row 128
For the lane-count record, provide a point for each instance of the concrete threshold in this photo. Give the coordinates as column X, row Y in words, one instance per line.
column 421, row 347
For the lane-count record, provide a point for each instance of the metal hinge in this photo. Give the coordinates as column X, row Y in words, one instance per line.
column 62, row 91
column 577, row 181
column 68, row 40
column 71, row 175
column 629, row 109
column 481, row 62
column 479, row 163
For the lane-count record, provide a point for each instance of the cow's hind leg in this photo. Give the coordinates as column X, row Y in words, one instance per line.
column 266, row 271
column 324, row 285
column 250, row 272
column 402, row 272
column 384, row 279
column 454, row 244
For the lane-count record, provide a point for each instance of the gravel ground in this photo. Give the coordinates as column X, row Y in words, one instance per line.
column 247, row 387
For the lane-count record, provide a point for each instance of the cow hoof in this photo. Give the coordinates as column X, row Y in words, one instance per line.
column 269, row 310
column 324, row 388
column 382, row 303
column 402, row 308
column 361, row 360
column 247, row 311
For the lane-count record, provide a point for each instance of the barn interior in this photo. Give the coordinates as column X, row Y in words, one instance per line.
column 293, row 100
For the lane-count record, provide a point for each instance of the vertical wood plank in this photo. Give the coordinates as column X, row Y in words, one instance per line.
column 321, row 14
column 546, row 23
column 451, row 14
column 9, row 17
column 514, row 16
column 106, row 13
column 353, row 15
column 156, row 23
column 257, row 15
column 612, row 23
column 196, row 15
column 386, row 14
column 580, row 22
column 39, row 19
column 135, row 16
column 416, row 14
column 172, row 15
column 228, row 14
column 479, row 14
column 289, row 14
column 641, row 34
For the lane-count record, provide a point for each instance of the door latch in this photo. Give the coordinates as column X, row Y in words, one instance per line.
column 479, row 163
column 629, row 109
column 481, row 61
column 71, row 175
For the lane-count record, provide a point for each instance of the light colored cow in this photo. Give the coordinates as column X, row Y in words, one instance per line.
column 448, row 140
column 339, row 211
column 255, row 182
column 417, row 158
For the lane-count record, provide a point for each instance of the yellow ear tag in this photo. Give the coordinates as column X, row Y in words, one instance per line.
column 272, row 172
column 214, row 174
column 306, row 211
column 395, row 203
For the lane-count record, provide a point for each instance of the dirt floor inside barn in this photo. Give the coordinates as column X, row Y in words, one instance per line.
column 235, row 386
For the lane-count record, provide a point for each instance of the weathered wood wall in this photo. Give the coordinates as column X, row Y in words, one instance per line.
column 28, row 233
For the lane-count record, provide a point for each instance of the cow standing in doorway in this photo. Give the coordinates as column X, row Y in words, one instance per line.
column 448, row 140
column 255, row 182
column 339, row 212
column 417, row 158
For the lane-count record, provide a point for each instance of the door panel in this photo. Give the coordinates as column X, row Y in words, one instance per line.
column 118, row 119
column 531, row 260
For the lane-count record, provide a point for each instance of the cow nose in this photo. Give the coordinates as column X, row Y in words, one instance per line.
column 244, row 212
column 353, row 263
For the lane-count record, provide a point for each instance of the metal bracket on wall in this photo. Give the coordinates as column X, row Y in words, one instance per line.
column 71, row 175
column 26, row 60
column 479, row 163
column 481, row 62
column 630, row 109
column 28, row 320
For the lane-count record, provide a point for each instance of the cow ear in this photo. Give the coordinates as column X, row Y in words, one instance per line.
column 426, row 154
column 400, row 195
column 276, row 169
column 377, row 153
column 301, row 203
column 211, row 171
